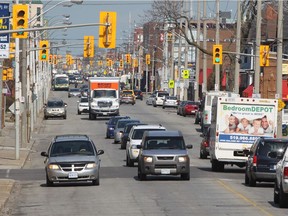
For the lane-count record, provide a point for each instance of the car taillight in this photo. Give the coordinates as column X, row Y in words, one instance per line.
column 255, row 160
column 206, row 144
column 285, row 173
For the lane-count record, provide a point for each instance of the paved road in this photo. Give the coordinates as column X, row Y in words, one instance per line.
column 120, row 192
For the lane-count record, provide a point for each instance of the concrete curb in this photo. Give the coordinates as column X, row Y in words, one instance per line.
column 6, row 187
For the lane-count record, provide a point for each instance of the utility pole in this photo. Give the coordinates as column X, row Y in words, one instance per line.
column 279, row 63
column 23, row 69
column 1, row 96
column 204, row 84
column 198, row 53
column 217, row 67
column 172, row 76
column 238, row 44
column 186, row 81
column 178, row 78
column 258, row 40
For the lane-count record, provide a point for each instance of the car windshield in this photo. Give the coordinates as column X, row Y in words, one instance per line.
column 138, row 133
column 193, row 103
column 165, row 143
column 84, row 99
column 121, row 124
column 104, row 93
column 127, row 92
column 114, row 121
column 267, row 147
column 74, row 90
column 71, row 147
column 55, row 103
column 162, row 94
column 171, row 98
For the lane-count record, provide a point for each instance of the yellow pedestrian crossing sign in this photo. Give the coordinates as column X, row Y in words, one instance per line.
column 185, row 74
column 171, row 83
column 281, row 105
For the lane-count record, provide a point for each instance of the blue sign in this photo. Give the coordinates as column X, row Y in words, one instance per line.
column 4, row 25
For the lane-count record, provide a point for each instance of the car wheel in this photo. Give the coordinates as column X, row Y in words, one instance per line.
column 45, row 117
column 122, row 146
column 141, row 99
column 129, row 161
column 283, row 198
column 141, row 176
column 65, row 117
column 79, row 113
column 214, row 165
column 276, row 193
column 48, row 182
column 252, row 182
column 185, row 176
column 96, row 181
column 163, row 107
column 184, row 114
column 246, row 179
column 203, row 155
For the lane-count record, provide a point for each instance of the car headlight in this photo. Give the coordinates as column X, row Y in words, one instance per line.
column 53, row 167
column 148, row 159
column 111, row 128
column 183, row 159
column 91, row 165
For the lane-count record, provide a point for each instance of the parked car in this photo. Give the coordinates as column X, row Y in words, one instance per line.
column 126, row 132
column 189, row 108
column 74, row 92
column 138, row 94
column 159, row 98
column 198, row 115
column 261, row 165
column 127, row 97
column 281, row 180
column 72, row 158
column 111, row 125
column 170, row 101
column 55, row 108
column 180, row 107
column 149, row 100
column 163, row 153
column 134, row 139
column 119, row 127
column 204, row 146
column 82, row 106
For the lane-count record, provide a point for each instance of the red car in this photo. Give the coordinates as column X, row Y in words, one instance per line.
column 190, row 108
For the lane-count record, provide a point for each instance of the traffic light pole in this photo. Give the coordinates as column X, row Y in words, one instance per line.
column 1, row 86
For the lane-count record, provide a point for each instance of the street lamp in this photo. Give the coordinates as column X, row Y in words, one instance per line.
column 78, row 2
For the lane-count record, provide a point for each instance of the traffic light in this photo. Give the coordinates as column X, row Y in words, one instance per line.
column 44, row 50
column 264, row 55
column 20, row 20
column 169, row 36
column 50, row 59
column 135, row 62
column 55, row 59
column 100, row 63
column 12, row 50
column 128, row 58
column 107, row 34
column 121, row 63
column 4, row 74
column 217, row 54
column 9, row 74
column 147, row 59
column 88, row 46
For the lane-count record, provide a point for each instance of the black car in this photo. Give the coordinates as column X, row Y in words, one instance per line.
column 126, row 132
column 261, row 163
column 138, row 94
column 111, row 125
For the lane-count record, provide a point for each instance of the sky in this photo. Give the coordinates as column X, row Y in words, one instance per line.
column 129, row 14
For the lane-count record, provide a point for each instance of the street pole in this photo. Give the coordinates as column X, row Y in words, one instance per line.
column 279, row 64
column 23, row 70
column 198, row 53
column 146, row 79
column 258, row 40
column 153, row 69
column 172, row 76
column 204, row 84
column 186, row 63
column 238, row 44
column 217, row 67
column 1, row 96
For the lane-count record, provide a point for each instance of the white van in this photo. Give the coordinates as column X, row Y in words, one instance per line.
column 159, row 98
column 207, row 109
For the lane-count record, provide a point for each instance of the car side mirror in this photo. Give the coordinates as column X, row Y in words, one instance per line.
column 189, row 146
column 44, row 154
column 100, row 152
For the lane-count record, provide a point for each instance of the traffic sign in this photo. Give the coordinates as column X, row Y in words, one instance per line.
column 171, row 84
column 185, row 74
column 281, row 105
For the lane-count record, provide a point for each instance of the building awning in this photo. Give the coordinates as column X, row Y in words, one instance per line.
column 248, row 91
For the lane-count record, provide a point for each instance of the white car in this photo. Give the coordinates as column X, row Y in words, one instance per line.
column 170, row 101
column 281, row 181
column 134, row 139
column 159, row 98
column 83, row 106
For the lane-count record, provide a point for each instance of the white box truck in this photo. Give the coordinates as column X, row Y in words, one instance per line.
column 104, row 93
column 235, row 124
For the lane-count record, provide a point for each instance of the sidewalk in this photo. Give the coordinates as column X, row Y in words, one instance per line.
column 8, row 158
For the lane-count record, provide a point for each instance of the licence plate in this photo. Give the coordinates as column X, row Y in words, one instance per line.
column 165, row 171
column 273, row 167
column 72, row 175
column 104, row 113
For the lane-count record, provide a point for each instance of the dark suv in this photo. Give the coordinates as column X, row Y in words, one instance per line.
column 163, row 153
column 261, row 163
